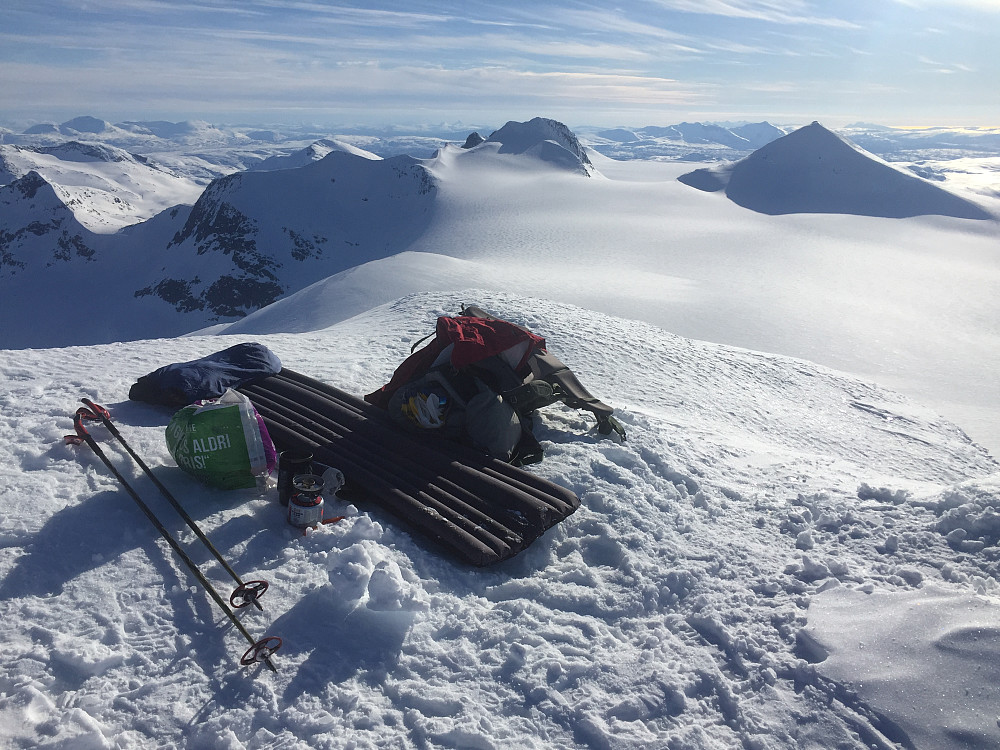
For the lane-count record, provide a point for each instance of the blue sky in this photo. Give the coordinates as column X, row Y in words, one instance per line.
column 638, row 62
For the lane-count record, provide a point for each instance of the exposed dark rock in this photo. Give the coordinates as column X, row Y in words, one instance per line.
column 473, row 140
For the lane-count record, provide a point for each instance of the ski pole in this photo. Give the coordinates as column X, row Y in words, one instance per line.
column 260, row 650
column 247, row 593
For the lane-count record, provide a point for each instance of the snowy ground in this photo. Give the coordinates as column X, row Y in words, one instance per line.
column 910, row 303
column 775, row 559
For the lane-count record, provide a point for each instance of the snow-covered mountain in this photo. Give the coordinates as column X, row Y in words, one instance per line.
column 309, row 154
column 548, row 140
column 251, row 237
column 780, row 556
column 255, row 236
column 697, row 132
column 107, row 188
column 696, row 141
column 813, row 170
column 38, row 230
column 131, row 135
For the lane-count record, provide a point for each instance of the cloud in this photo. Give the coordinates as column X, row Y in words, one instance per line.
column 367, row 90
column 216, row 56
column 947, row 68
column 986, row 6
column 793, row 12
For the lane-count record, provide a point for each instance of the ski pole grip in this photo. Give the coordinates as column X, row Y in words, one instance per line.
column 82, row 414
column 96, row 409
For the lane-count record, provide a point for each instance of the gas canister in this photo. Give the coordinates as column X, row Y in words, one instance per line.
column 305, row 506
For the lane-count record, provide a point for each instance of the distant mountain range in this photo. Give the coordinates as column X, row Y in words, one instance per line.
column 693, row 141
column 149, row 251
column 741, row 137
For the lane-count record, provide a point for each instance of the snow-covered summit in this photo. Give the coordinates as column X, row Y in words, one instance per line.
column 42, row 128
column 37, row 229
column 82, row 152
column 309, row 154
column 254, row 236
column 166, row 129
column 85, row 124
column 473, row 140
column 813, row 170
column 758, row 134
column 549, row 140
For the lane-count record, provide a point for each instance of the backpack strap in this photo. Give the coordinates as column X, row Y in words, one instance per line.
column 563, row 385
column 548, row 368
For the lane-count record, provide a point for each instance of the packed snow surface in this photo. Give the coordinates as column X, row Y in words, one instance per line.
column 695, row 600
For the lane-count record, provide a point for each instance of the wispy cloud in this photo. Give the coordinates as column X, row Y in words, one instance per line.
column 987, row 6
column 947, row 68
column 218, row 56
column 785, row 12
column 354, row 85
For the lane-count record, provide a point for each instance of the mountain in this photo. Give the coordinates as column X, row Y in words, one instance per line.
column 254, row 236
column 813, row 170
column 191, row 133
column 548, row 140
column 473, row 140
column 757, row 134
column 309, row 154
column 84, row 125
column 249, row 238
column 692, row 141
column 77, row 151
column 696, row 132
column 42, row 128
column 619, row 135
column 37, row 228
column 107, row 188
column 165, row 129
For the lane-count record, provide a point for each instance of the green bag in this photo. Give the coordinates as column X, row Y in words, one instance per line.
column 223, row 442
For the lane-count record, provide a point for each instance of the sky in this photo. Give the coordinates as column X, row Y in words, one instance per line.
column 638, row 62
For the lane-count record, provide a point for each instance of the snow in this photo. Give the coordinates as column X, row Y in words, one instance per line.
column 911, row 303
column 765, row 516
column 313, row 152
column 949, row 697
column 813, row 170
column 106, row 188
column 782, row 555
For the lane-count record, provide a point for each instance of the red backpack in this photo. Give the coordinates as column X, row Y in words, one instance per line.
column 479, row 380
